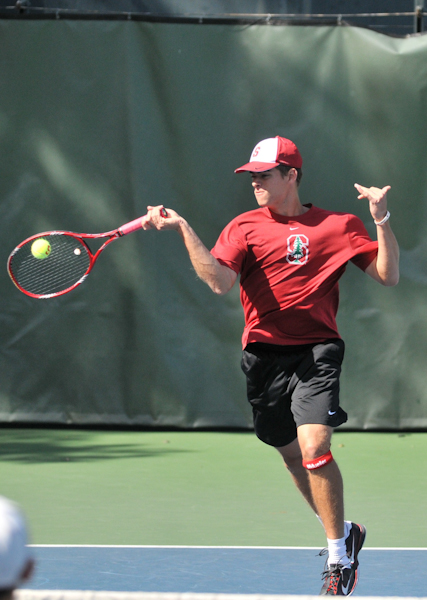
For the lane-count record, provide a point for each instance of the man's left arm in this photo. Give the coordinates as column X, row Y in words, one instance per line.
column 385, row 268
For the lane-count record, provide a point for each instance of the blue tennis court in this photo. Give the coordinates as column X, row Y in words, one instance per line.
column 235, row 570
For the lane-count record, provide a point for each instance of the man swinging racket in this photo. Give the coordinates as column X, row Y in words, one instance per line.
column 290, row 257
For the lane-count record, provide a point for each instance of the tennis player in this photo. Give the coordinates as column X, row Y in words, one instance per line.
column 290, row 257
column 16, row 562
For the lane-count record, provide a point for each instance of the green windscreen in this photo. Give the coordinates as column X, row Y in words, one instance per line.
column 100, row 119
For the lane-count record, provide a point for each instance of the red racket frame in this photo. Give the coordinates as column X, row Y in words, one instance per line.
column 113, row 235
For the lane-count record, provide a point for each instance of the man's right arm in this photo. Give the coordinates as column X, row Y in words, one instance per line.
column 217, row 276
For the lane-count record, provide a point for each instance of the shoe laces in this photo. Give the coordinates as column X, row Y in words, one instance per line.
column 333, row 573
column 325, row 551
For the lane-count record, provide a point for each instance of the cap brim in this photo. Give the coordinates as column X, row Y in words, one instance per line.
column 256, row 167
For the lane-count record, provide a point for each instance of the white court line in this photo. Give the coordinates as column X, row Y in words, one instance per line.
column 24, row 594
column 178, row 547
column 208, row 547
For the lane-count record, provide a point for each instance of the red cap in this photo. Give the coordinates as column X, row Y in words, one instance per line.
column 271, row 153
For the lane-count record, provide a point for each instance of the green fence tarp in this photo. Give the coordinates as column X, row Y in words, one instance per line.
column 100, row 119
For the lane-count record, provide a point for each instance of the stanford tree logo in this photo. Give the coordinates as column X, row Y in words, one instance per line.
column 297, row 249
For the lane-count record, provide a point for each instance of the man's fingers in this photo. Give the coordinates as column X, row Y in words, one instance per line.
column 362, row 191
column 373, row 194
column 160, row 207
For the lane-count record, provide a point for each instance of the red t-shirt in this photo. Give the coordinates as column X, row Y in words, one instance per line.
column 289, row 270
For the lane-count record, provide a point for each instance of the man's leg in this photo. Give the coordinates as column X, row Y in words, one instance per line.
column 326, row 487
column 292, row 458
column 326, row 483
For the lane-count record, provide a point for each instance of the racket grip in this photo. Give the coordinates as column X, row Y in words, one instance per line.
column 137, row 223
column 131, row 226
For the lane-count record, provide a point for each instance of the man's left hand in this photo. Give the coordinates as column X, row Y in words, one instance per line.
column 377, row 200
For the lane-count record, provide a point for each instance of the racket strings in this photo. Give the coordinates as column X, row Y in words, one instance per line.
column 68, row 262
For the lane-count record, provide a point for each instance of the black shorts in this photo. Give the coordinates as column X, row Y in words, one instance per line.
column 289, row 386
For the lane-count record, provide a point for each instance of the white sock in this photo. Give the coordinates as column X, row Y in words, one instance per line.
column 347, row 526
column 337, row 553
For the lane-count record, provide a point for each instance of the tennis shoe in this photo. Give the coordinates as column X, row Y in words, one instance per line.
column 339, row 581
column 354, row 543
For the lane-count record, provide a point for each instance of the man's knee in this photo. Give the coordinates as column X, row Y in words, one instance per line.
column 292, row 456
column 314, row 441
column 293, row 464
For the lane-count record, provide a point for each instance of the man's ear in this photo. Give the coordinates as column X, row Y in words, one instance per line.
column 293, row 174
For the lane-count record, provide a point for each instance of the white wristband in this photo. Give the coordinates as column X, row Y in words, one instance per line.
column 386, row 218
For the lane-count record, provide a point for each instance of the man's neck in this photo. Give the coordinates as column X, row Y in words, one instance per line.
column 290, row 207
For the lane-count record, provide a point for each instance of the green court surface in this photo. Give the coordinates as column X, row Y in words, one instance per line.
column 204, row 488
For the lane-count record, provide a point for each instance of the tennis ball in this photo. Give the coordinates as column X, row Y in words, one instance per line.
column 40, row 248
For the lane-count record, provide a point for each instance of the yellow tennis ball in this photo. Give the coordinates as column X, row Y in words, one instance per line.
column 40, row 248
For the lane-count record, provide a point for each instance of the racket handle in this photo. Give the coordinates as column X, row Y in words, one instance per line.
column 132, row 226
column 137, row 223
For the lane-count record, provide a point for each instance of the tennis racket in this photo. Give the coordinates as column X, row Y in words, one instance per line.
column 65, row 265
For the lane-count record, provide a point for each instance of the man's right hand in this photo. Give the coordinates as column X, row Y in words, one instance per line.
column 154, row 218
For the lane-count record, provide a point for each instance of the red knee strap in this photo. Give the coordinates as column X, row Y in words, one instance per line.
column 318, row 462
